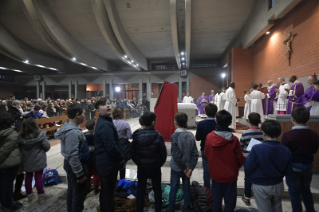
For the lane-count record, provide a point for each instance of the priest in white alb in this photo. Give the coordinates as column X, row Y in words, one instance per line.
column 188, row 98
column 283, row 92
column 256, row 103
column 221, row 99
column 230, row 104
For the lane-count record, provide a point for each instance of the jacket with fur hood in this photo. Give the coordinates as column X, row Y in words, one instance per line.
column 34, row 152
column 10, row 154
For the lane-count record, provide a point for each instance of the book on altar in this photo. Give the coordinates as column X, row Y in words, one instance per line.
column 263, row 90
column 252, row 143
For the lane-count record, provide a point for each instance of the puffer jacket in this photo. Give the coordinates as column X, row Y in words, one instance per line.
column 10, row 154
column 33, row 152
column 199, row 199
column 148, row 148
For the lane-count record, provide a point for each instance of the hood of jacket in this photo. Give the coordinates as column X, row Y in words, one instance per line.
column 5, row 133
column 61, row 133
column 145, row 136
column 222, row 138
column 33, row 141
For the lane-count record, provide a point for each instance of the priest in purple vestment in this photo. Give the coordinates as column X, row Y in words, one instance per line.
column 201, row 103
column 296, row 91
column 271, row 97
column 211, row 97
column 304, row 98
column 313, row 100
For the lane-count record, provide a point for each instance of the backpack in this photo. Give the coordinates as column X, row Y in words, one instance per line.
column 51, row 177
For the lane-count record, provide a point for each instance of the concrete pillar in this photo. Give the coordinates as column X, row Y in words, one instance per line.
column 140, row 93
column 180, row 87
column 111, row 88
column 148, row 89
column 70, row 89
column 43, row 90
column 187, row 84
column 75, row 89
column 38, row 89
column 104, row 87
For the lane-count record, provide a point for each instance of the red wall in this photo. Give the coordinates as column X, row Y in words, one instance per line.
column 203, row 84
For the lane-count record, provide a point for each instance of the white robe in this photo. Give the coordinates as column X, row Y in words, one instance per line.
column 221, row 101
column 256, row 103
column 230, row 105
column 247, row 106
column 314, row 111
column 188, row 99
column 282, row 98
column 216, row 99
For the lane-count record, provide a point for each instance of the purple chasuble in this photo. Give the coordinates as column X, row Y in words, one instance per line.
column 304, row 98
column 272, row 94
column 297, row 91
column 201, row 105
column 211, row 98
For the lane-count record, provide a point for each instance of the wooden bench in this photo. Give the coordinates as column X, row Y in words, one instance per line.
column 63, row 119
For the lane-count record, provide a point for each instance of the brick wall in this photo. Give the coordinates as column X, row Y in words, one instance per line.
column 204, row 84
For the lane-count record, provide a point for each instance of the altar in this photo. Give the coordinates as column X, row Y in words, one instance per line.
column 190, row 110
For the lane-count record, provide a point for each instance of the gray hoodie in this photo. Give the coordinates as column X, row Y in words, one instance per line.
column 33, row 151
column 71, row 137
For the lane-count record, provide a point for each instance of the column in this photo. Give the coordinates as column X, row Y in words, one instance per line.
column 180, row 87
column 187, row 84
column 104, row 88
column 149, row 89
column 43, row 90
column 140, row 93
column 70, row 89
column 38, row 89
column 75, row 89
column 111, row 88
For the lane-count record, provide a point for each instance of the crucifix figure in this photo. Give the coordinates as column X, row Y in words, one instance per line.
column 288, row 42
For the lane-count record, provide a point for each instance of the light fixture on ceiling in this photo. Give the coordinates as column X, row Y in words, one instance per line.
column 225, row 65
column 87, row 89
column 183, row 58
column 74, row 59
column 136, row 64
column 182, row 53
column 132, row 61
column 3, row 68
column 16, row 70
column 125, row 56
column 267, row 33
column 223, row 75
column 26, row 61
column 41, row 66
column 117, row 89
column 53, row 69
column 129, row 62
column 183, row 64
column 94, row 68
column 83, row 64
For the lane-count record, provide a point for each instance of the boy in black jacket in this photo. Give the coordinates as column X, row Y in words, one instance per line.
column 148, row 151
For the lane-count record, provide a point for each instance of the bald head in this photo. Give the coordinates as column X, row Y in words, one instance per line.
column 281, row 80
column 269, row 82
column 310, row 80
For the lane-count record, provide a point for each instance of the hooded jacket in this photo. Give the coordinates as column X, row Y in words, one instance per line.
column 10, row 154
column 224, row 155
column 148, row 148
column 33, row 152
column 71, row 138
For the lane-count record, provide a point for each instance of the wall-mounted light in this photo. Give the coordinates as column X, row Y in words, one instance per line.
column 87, row 89
column 117, row 89
column 267, row 33
column 223, row 75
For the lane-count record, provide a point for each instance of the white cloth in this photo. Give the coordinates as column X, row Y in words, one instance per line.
column 247, row 106
column 256, row 103
column 282, row 98
column 230, row 105
column 221, row 101
column 314, row 111
column 186, row 106
column 188, row 99
column 216, row 99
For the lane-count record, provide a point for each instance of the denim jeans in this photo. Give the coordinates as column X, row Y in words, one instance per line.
column 248, row 186
column 175, row 179
column 7, row 177
column 155, row 174
column 108, row 184
column 226, row 191
column 298, row 183
column 206, row 175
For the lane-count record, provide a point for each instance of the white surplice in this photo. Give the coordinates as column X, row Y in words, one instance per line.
column 230, row 105
column 216, row 99
column 256, row 103
column 188, row 99
column 221, row 101
column 282, row 97
column 247, row 106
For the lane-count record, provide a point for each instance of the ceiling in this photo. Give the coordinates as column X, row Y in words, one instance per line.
column 114, row 35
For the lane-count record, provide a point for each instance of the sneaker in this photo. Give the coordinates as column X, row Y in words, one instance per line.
column 43, row 197
column 96, row 190
column 18, row 196
column 31, row 198
column 246, row 200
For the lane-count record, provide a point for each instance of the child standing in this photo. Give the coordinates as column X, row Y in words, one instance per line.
column 247, row 109
column 266, row 166
column 34, row 145
column 89, row 135
column 183, row 162
column 224, row 155
column 148, row 151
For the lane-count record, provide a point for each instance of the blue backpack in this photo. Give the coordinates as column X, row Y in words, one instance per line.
column 51, row 177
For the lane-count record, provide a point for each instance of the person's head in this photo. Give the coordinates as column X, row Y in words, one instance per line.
column 260, row 85
column 293, row 78
column 203, row 93
column 140, row 120
column 88, row 102
column 44, row 107
column 29, row 127
column 104, row 107
column 310, row 80
column 223, row 89
column 9, row 103
column 3, row 108
column 223, row 118
column 118, row 113
column 254, row 119
column 180, row 120
column 246, row 92
column 300, row 116
column 316, row 85
column 90, row 124
column 76, row 113
column 187, row 93
column 232, row 85
column 211, row 110
column 212, row 92
column 255, row 86
column 149, row 119
column 269, row 82
column 16, row 103
column 40, row 101
column 37, row 107
column 281, row 80
column 6, row 120
column 271, row 129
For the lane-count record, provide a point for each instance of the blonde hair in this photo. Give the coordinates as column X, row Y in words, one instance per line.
column 118, row 113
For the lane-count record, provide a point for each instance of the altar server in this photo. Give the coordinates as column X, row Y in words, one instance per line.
column 247, row 109
column 188, row 99
column 282, row 96
column 230, row 104
column 256, row 103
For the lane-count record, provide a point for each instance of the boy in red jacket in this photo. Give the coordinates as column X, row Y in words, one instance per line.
column 225, row 157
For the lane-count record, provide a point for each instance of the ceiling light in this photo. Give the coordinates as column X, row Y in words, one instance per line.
column 182, row 53
column 136, row 64
column 94, row 68
column 74, row 59
column 41, row 66
column 26, row 61
column 225, row 65
column 53, row 69
column 129, row 62
column 16, row 70
column 117, row 89
column 223, row 75
column 125, row 56
column 83, row 64
column 132, row 61
column 183, row 63
column 3, row 68
column 183, row 58
column 267, row 33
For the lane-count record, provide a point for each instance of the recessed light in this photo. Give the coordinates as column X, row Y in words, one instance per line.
column 125, row 56
column 183, row 63
column 183, row 58
column 129, row 62
column 3, row 68
column 223, row 75
column 41, row 66
column 94, row 68
column 182, row 53
column 267, row 33
column 74, row 59
column 83, row 64
column 136, row 64
column 26, row 61
column 16, row 70
column 132, row 61
column 53, row 69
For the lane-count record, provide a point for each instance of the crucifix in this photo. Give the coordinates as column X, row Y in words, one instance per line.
column 288, row 43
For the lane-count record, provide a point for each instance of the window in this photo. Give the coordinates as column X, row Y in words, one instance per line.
column 8, row 78
column 272, row 3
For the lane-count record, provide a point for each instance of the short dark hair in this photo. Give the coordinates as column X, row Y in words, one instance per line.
column 37, row 107
column 44, row 106
column 272, row 128
column 100, row 102
column 255, row 86
column 118, row 113
column 245, row 91
column 73, row 109
column 316, row 82
column 181, row 119
column 141, row 121
column 6, row 120
column 148, row 118
column 224, row 118
column 301, row 115
column 254, row 118
column 211, row 110
column 294, row 77
column 90, row 124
